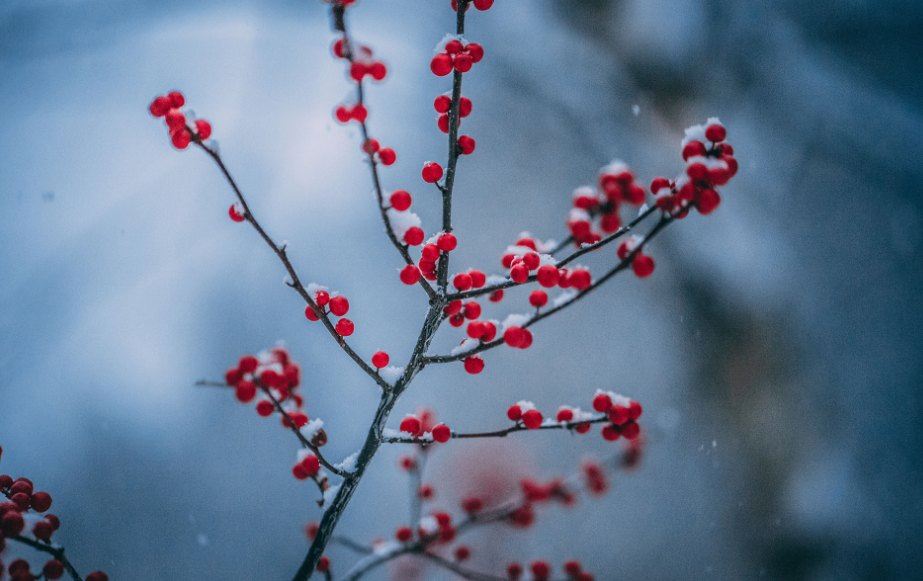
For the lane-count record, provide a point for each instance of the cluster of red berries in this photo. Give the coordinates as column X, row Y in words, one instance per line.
column 642, row 265
column 168, row 107
column 524, row 258
column 363, row 62
column 478, row 4
column 337, row 306
column 385, row 155
column 432, row 250
column 21, row 498
column 707, row 167
column 456, row 55
column 541, row 571
column 622, row 414
column 597, row 209
column 346, row 113
column 457, row 311
column 419, row 427
column 276, row 373
column 307, row 465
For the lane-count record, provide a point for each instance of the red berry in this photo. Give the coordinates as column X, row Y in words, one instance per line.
column 359, row 113
column 53, row 569
column 519, row 273
column 602, row 403
column 475, row 329
column 472, row 504
column 572, row 567
column 323, row 565
column 442, row 433
column 514, row 413
column 631, row 430
column 472, row 310
column 378, row 70
column 403, row 534
column 447, row 242
column 540, row 570
column 343, row 114
column 235, row 214
column 400, row 200
column 310, row 464
column 618, row 414
column 475, row 50
column 532, row 419
column 248, row 364
column 357, row 70
column 579, row 279
column 496, row 296
column 264, row 408
column 410, row 424
column 706, row 201
column 463, row 62
column 462, row 281
column 477, row 278
column 547, row 276
column 693, row 149
column 430, row 253
column 474, row 365
column 443, row 123
column 610, row 433
column 634, row 410
column 514, row 336
column 310, row 314
column 97, row 576
column 160, row 106
column 457, row 320
column 339, row 306
column 514, row 571
column 12, row 523
column 370, row 146
column 41, row 501
column 203, row 129
column 410, row 274
column 488, row 331
column 642, row 266
column 462, row 553
column 715, row 133
column 483, row 4
column 338, row 48
column 453, row 46
column 345, row 327
column 425, row 492
column 176, row 99
column 175, row 120
column 432, row 172
column 180, row 138
column 441, row 65
column 245, row 391
column 466, row 145
column 387, row 156
column 453, row 308
column 414, row 236
column 443, row 103
column 538, row 298
column 464, row 107
column 42, row 530
column 565, row 415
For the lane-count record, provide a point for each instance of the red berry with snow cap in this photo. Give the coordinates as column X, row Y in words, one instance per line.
column 432, row 172
column 532, row 419
column 715, row 133
column 235, row 214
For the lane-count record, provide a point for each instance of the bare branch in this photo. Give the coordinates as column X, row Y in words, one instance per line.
column 56, row 552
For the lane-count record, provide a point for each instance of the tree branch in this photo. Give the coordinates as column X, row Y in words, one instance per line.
column 56, row 552
column 518, row 427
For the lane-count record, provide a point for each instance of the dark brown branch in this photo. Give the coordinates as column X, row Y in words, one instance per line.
column 518, row 427
column 296, row 283
column 56, row 552
column 442, row 269
column 351, row 544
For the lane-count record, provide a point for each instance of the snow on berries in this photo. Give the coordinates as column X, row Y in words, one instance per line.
column 710, row 163
column 181, row 133
column 455, row 53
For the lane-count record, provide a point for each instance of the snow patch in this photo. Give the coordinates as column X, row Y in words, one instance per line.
column 466, row 345
column 565, row 297
column 391, row 373
column 515, row 320
column 330, row 494
column 401, row 222
column 349, row 463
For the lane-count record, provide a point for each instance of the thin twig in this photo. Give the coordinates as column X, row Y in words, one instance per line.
column 518, row 427
column 296, row 283
column 56, row 552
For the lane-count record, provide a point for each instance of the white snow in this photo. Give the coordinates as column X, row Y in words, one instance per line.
column 391, row 373
column 466, row 345
column 564, row 297
column 330, row 494
column 446, row 39
column 313, row 287
column 496, row 279
column 401, row 222
column 390, row 433
column 514, row 320
column 547, row 259
column 584, row 192
column 349, row 463
column 642, row 209
column 615, row 167
column 310, row 429
column 303, row 453
column 578, row 215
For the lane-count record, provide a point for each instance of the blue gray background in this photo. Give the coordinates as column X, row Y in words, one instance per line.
column 776, row 349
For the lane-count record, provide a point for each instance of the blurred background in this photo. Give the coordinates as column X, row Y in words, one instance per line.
column 776, row 349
